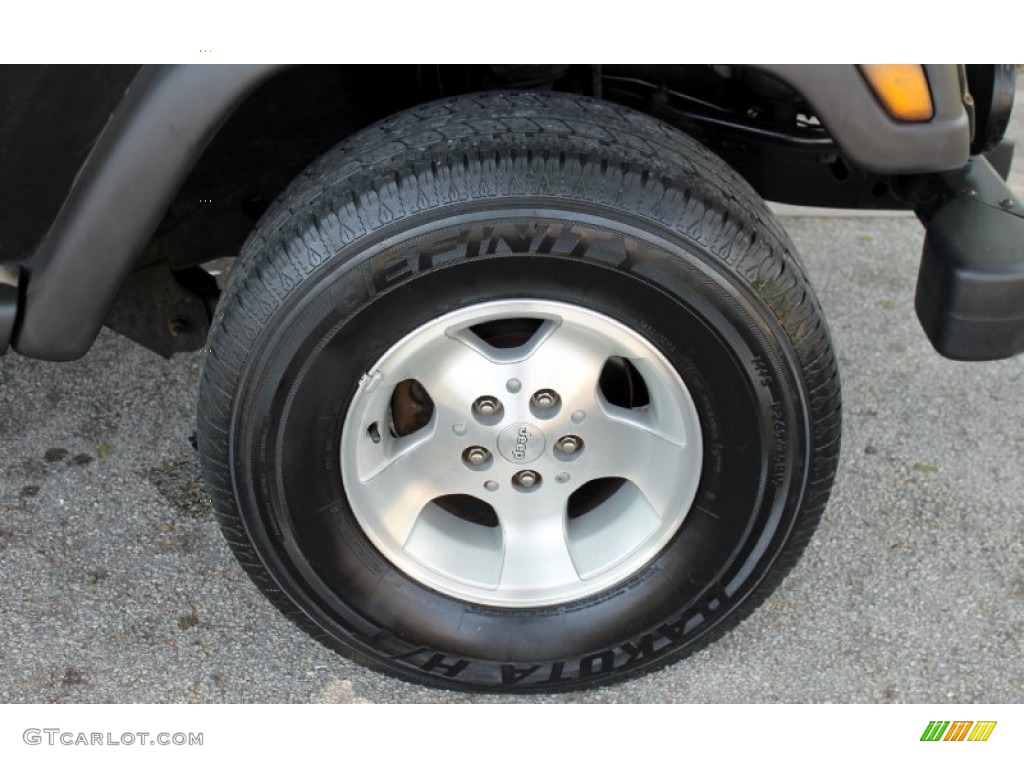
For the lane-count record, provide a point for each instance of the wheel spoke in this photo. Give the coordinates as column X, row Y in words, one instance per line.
column 634, row 446
column 405, row 477
column 570, row 358
column 455, row 373
column 536, row 553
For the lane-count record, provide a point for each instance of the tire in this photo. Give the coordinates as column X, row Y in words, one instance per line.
column 432, row 310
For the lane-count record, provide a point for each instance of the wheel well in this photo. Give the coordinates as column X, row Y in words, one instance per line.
column 300, row 112
column 756, row 122
column 291, row 119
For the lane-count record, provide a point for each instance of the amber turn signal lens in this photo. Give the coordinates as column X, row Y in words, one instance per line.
column 902, row 89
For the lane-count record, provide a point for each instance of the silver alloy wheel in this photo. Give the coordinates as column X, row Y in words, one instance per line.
column 530, row 483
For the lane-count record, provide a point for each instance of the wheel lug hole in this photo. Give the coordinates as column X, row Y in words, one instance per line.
column 477, row 457
column 545, row 403
column 545, row 398
column 486, row 405
column 526, row 480
column 569, row 447
column 488, row 409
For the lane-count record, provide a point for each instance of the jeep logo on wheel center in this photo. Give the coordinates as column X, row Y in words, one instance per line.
column 522, row 440
column 521, row 443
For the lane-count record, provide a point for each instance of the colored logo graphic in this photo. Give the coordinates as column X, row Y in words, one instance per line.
column 958, row 730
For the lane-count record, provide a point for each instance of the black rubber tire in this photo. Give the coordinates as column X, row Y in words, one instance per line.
column 411, row 218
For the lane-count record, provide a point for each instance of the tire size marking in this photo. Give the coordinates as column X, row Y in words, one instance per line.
column 764, row 374
column 778, row 473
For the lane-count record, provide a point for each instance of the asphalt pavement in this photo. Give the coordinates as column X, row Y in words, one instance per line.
column 115, row 584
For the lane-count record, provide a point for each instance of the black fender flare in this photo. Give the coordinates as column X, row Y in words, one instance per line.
column 168, row 116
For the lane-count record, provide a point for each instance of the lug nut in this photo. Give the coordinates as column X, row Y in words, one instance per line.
column 545, row 398
column 526, row 479
column 569, row 444
column 486, row 405
column 477, row 455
